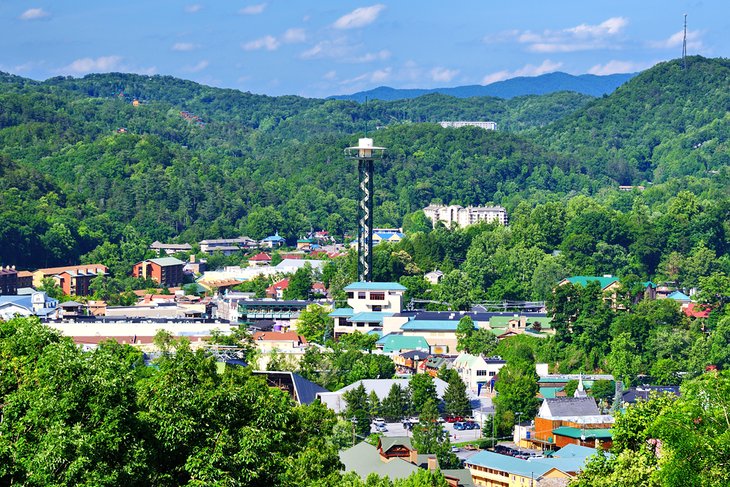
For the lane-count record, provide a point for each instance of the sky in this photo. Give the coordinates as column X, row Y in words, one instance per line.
column 328, row 47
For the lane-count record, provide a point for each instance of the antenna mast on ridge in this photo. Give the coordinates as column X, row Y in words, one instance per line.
column 684, row 44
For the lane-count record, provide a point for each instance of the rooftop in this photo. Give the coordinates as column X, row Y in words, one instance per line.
column 375, row 286
column 398, row 343
column 571, row 432
column 167, row 261
column 369, row 317
column 604, row 281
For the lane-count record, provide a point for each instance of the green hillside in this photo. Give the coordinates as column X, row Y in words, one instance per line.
column 665, row 122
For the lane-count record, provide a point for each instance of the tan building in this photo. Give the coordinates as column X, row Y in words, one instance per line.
column 465, row 216
column 73, row 280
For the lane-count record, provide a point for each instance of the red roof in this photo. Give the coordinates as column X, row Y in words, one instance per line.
column 693, row 310
column 283, row 336
column 283, row 284
column 319, row 287
column 261, row 257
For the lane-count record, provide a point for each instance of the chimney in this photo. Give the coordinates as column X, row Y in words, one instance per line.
column 432, row 464
column 413, row 456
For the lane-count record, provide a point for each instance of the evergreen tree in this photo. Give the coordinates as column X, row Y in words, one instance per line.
column 430, row 437
column 300, row 284
column 374, row 407
column 422, row 390
column 456, row 402
column 395, row 405
column 357, row 410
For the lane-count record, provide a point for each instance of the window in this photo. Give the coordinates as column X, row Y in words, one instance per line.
column 491, row 373
column 377, row 307
column 361, row 295
column 377, row 296
column 350, row 295
column 481, row 373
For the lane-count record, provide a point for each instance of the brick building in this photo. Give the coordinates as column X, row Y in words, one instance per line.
column 73, row 280
column 8, row 281
column 166, row 271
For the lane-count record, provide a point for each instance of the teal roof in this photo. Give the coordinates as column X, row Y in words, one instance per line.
column 400, row 343
column 379, row 333
column 274, row 238
column 679, row 296
column 430, row 325
column 549, row 392
column 509, row 464
column 369, row 317
column 584, row 280
column 576, row 433
column 648, row 284
column 341, row 313
column 375, row 286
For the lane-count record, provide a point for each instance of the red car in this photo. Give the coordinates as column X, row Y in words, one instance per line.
column 454, row 419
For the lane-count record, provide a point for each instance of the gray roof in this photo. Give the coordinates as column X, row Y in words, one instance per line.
column 306, row 391
column 572, row 406
column 364, row 459
column 167, row 261
column 336, row 402
column 462, row 475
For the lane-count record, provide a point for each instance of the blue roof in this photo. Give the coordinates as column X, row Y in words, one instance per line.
column 398, row 343
column 273, row 238
column 369, row 317
column 341, row 312
column 509, row 464
column 375, row 286
column 679, row 296
column 388, row 235
column 24, row 300
column 432, row 325
column 378, row 333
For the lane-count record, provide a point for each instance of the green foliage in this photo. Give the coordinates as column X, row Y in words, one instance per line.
column 456, row 401
column 517, row 389
column 475, row 341
column 421, row 390
column 300, row 284
column 396, row 404
column 314, row 324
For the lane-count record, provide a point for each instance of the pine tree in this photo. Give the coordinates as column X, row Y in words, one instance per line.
column 456, row 402
column 395, row 405
column 374, row 407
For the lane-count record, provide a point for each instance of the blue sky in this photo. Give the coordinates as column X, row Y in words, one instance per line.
column 326, row 47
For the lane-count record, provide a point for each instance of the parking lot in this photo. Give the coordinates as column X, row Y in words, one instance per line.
column 396, row 429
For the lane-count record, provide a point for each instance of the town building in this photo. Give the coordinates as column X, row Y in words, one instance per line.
column 226, row 246
column 301, row 390
column 610, row 286
column 482, row 125
column 73, row 280
column 572, row 420
column 465, row 216
column 36, row 304
column 370, row 303
column 260, row 259
column 477, row 372
column 281, row 312
column 495, row 470
column 8, row 281
column 288, row 344
column 273, row 241
column 25, row 279
column 169, row 248
column 434, row 277
column 166, row 271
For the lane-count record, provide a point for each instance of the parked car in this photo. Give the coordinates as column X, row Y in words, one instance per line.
column 455, row 449
column 459, row 426
column 453, row 419
column 471, row 425
column 381, row 428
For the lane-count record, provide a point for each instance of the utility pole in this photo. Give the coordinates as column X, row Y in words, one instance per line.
column 684, row 44
column 365, row 153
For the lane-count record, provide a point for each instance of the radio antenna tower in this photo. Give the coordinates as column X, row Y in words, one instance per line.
column 365, row 153
column 684, row 44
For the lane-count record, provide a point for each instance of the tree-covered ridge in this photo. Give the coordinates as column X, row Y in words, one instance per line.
column 666, row 122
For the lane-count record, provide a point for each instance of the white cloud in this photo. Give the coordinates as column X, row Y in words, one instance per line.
column 193, row 8
column 330, row 75
column 583, row 37
column 34, row 14
column 614, row 66
column 184, row 46
column 377, row 76
column 360, row 17
column 443, row 75
column 293, row 36
column 253, row 9
column 547, row 66
column 102, row 64
column 336, row 48
column 369, row 57
column 675, row 40
column 198, row 67
column 270, row 43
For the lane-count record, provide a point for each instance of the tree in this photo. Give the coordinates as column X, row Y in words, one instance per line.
column 570, row 387
column 430, row 437
column 357, row 410
column 624, row 360
column 474, row 341
column 603, row 390
column 517, row 389
column 422, row 390
column 300, row 284
column 374, row 407
column 456, row 402
column 314, row 324
column 395, row 405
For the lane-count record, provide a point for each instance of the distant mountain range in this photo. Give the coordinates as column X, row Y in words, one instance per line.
column 587, row 84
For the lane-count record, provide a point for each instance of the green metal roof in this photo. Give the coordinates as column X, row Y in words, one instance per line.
column 341, row 313
column 550, row 392
column 576, row 433
column 167, row 261
column 364, row 459
column 375, row 286
column 584, row 280
column 399, row 343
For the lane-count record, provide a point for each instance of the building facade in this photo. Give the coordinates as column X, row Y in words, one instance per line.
column 8, row 281
column 461, row 123
column 465, row 216
column 166, row 271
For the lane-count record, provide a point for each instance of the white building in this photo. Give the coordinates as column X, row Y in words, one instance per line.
column 370, row 303
column 477, row 372
column 481, row 125
column 464, row 216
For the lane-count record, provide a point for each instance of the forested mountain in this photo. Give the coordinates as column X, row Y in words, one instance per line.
column 193, row 162
column 587, row 84
column 666, row 122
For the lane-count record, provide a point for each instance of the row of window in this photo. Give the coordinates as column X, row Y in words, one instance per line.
column 363, row 295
